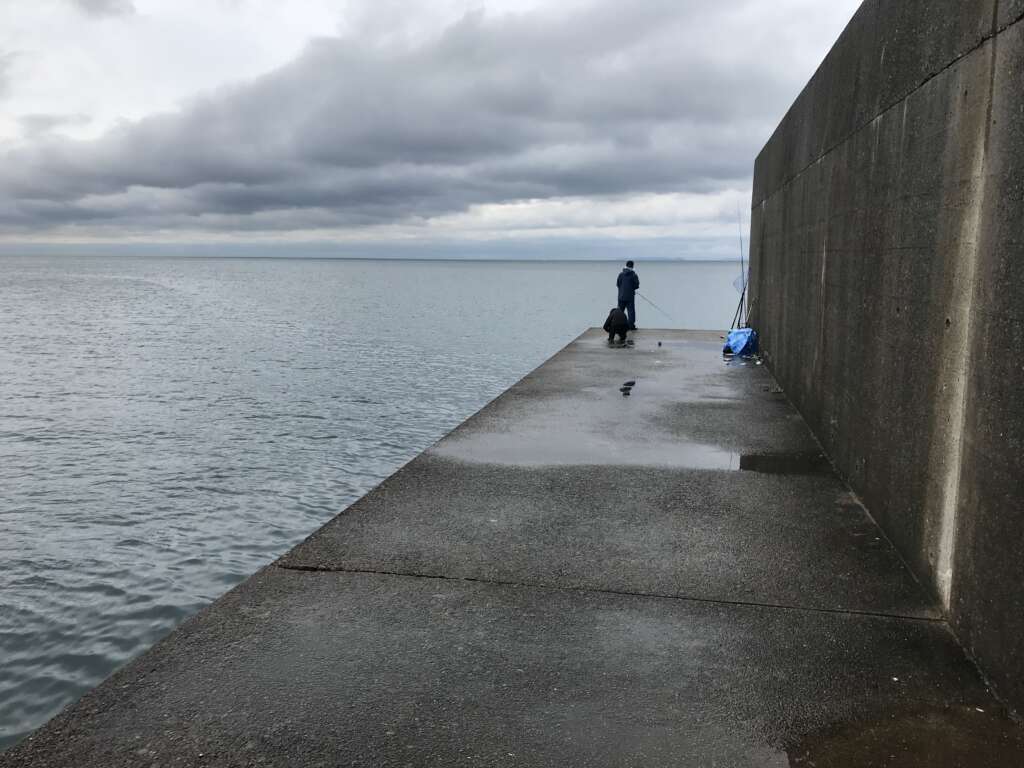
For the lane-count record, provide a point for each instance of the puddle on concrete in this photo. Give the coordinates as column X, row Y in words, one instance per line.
column 808, row 463
column 568, row 448
column 537, row 449
column 954, row 737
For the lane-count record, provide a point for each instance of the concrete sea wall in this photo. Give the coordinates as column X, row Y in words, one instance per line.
column 887, row 281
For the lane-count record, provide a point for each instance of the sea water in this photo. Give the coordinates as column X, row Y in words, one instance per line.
column 169, row 425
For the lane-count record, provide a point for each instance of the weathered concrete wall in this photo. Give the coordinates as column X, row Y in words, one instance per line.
column 887, row 257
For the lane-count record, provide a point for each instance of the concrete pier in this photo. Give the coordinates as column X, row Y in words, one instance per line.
column 571, row 578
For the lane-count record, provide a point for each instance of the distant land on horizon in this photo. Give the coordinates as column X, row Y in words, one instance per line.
column 709, row 249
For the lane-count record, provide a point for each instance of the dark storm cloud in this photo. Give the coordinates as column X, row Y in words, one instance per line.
column 602, row 102
column 105, row 7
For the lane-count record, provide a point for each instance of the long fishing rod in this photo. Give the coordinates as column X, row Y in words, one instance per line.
column 739, row 316
column 736, row 318
column 666, row 314
column 743, row 266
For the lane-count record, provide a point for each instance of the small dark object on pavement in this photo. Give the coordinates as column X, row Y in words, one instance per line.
column 631, row 383
column 625, row 390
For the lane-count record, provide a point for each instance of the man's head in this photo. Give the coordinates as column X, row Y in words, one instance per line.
column 629, row 264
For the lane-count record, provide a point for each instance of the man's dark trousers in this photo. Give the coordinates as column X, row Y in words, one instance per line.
column 630, row 307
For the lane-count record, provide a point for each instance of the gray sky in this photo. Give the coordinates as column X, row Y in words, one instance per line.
column 520, row 125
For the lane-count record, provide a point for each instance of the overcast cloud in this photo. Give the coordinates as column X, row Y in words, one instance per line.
column 565, row 121
column 105, row 7
column 6, row 64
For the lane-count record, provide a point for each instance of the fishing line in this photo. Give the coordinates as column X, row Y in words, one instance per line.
column 666, row 314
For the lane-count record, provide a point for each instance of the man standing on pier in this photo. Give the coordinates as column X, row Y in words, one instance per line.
column 628, row 284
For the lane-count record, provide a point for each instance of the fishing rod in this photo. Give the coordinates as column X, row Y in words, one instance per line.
column 739, row 311
column 743, row 266
column 740, row 316
column 666, row 314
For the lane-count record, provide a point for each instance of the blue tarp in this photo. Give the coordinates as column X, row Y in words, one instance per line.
column 741, row 341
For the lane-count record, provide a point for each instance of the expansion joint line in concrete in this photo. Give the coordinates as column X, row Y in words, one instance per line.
column 619, row 592
column 993, row 34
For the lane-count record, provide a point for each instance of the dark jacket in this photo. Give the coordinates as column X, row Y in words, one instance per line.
column 628, row 283
column 617, row 323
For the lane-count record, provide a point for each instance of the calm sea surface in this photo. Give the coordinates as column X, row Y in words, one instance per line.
column 168, row 426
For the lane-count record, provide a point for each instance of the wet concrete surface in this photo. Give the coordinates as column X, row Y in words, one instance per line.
column 619, row 601
column 810, row 463
column 687, row 409
column 712, row 535
column 366, row 669
column 921, row 736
